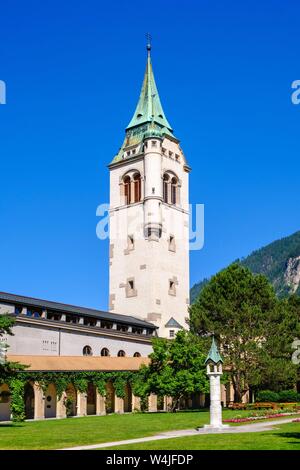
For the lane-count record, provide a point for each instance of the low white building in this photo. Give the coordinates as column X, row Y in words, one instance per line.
column 47, row 328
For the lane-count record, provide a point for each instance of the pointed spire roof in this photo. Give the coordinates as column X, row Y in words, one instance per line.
column 213, row 355
column 149, row 108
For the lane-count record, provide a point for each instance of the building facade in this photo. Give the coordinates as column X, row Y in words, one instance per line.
column 44, row 328
column 149, row 218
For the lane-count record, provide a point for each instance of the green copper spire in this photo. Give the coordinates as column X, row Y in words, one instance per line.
column 149, row 108
column 213, row 355
column 148, row 120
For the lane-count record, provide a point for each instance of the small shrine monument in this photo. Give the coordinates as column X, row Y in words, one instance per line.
column 214, row 371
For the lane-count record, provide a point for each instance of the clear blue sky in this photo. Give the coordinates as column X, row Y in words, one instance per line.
column 73, row 72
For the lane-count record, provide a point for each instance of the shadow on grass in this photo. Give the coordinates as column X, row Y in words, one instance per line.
column 290, row 435
column 176, row 411
column 11, row 425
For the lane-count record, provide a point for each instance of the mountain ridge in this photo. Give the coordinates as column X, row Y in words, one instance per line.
column 279, row 261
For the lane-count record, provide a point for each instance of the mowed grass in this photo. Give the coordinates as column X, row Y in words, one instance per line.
column 286, row 437
column 59, row 433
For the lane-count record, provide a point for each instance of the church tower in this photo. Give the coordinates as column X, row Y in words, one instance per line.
column 149, row 218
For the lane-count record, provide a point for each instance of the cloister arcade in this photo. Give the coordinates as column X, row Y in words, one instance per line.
column 46, row 404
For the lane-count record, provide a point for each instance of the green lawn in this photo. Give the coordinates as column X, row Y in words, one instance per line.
column 287, row 437
column 54, row 434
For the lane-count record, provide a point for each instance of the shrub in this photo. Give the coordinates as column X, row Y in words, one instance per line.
column 267, row 396
column 287, row 396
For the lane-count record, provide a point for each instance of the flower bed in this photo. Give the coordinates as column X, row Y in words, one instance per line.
column 296, row 420
column 255, row 418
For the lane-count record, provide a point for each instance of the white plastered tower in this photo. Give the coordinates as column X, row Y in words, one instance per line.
column 149, row 219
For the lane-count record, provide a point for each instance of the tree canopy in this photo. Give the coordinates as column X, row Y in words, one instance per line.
column 6, row 368
column 176, row 369
column 241, row 309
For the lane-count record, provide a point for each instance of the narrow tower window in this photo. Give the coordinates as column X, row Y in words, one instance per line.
column 172, row 287
column 130, row 288
column 172, row 246
column 130, row 242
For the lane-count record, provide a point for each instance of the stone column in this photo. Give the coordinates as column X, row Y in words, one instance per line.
column 61, row 411
column 230, row 392
column 202, row 400
column 100, row 404
column 167, row 403
column 223, row 395
column 119, row 405
column 245, row 398
column 81, row 404
column 136, row 403
column 152, row 403
column 131, row 191
column 215, row 401
column 214, row 373
column 39, row 402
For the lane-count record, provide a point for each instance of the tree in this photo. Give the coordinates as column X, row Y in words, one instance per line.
column 241, row 309
column 280, row 373
column 176, row 369
column 6, row 324
column 6, row 367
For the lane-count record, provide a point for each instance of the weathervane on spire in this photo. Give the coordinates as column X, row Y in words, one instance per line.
column 149, row 38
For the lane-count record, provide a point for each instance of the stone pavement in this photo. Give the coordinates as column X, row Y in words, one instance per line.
column 254, row 427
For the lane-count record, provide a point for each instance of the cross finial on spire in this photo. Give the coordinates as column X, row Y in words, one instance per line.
column 149, row 38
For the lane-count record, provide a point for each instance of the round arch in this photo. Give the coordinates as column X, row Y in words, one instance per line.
column 171, row 186
column 5, row 400
column 29, row 401
column 87, row 350
column 128, row 399
column 91, row 399
column 110, row 397
column 71, row 400
column 131, row 186
column 104, row 352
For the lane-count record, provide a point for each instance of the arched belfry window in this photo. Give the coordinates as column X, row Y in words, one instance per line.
column 127, row 190
column 137, row 187
column 132, row 187
column 174, row 186
column 166, row 187
column 170, row 188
